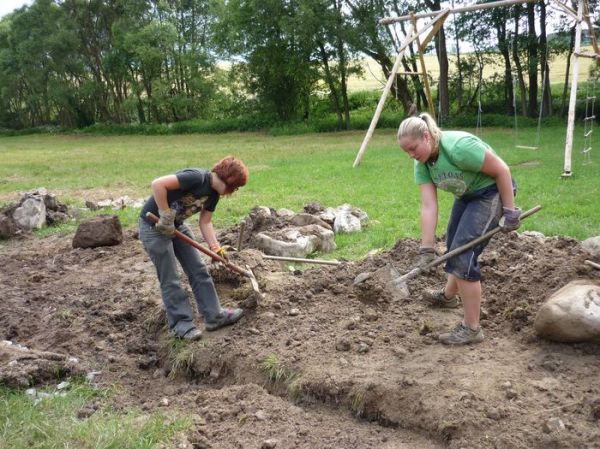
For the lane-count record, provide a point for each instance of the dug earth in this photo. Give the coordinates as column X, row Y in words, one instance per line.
column 318, row 362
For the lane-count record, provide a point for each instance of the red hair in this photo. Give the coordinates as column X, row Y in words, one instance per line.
column 232, row 172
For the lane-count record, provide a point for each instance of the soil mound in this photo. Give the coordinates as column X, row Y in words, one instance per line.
column 320, row 361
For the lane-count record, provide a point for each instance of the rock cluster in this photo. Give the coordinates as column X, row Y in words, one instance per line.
column 34, row 210
column 285, row 233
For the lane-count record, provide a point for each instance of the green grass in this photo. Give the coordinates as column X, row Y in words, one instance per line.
column 291, row 171
column 53, row 423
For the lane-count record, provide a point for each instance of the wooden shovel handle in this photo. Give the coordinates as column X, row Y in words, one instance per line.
column 205, row 250
column 461, row 249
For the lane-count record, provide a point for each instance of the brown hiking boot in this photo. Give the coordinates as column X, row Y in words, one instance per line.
column 461, row 335
column 437, row 298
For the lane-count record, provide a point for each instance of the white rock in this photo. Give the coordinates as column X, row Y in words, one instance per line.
column 345, row 221
column 592, row 246
column 31, row 214
column 296, row 242
column 283, row 212
column 572, row 314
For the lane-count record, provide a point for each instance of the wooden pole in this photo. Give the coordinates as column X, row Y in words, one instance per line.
column 593, row 264
column 412, row 35
column 299, row 259
column 476, row 7
column 573, row 97
column 422, row 47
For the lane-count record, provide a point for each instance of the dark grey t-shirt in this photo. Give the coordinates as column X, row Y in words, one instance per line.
column 194, row 194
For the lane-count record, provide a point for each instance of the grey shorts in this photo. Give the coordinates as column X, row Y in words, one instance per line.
column 472, row 216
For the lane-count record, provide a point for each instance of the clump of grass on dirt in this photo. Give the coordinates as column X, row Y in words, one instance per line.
column 357, row 404
column 56, row 421
column 181, row 357
column 276, row 371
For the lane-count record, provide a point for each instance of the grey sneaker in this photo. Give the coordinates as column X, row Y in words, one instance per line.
column 193, row 334
column 227, row 317
column 437, row 298
column 461, row 335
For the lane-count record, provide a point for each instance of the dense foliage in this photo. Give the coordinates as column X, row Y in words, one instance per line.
column 166, row 66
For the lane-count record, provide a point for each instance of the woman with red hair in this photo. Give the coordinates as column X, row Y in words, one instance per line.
column 175, row 198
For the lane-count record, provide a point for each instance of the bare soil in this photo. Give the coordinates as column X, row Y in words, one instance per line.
column 318, row 362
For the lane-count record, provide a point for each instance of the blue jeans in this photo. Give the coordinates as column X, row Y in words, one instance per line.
column 164, row 251
column 472, row 216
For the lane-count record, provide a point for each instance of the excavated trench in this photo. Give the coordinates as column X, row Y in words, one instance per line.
column 319, row 362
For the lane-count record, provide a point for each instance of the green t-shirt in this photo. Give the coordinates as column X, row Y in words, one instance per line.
column 457, row 169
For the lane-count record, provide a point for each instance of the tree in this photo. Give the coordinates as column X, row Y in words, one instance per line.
column 442, row 55
column 275, row 60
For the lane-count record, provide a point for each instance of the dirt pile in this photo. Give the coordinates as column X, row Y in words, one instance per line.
column 320, row 362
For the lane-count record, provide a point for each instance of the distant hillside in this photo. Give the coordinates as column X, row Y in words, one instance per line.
column 373, row 77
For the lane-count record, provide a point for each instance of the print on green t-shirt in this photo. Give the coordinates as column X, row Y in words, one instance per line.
column 457, row 169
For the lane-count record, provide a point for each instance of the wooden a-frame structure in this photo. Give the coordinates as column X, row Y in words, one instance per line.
column 439, row 17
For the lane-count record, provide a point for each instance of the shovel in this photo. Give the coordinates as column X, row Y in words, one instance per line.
column 400, row 282
column 248, row 272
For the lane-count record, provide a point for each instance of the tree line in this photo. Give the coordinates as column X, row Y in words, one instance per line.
column 75, row 63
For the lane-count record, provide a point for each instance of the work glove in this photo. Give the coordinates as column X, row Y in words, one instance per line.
column 221, row 251
column 510, row 220
column 166, row 222
column 426, row 255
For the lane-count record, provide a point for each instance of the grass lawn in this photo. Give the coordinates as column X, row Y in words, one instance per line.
column 291, row 171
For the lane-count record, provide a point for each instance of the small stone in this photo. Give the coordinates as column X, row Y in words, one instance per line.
column 400, row 352
column 260, row 415
column 350, row 324
column 596, row 409
column 371, row 315
column 553, row 425
column 511, row 394
column 271, row 443
column 494, row 414
column 164, row 402
column 342, row 345
column 425, row 329
column 363, row 347
column 294, row 312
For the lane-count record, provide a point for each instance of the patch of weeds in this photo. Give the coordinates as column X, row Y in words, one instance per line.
column 182, row 357
column 276, row 371
column 55, row 421
column 155, row 320
column 358, row 403
column 66, row 315
column 294, row 389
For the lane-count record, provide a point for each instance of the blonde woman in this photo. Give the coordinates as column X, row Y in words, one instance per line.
column 481, row 182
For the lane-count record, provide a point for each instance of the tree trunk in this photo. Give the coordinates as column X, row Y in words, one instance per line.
column 504, row 47
column 546, row 92
column 331, row 83
column 517, row 61
column 442, row 55
column 532, row 66
column 343, row 64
